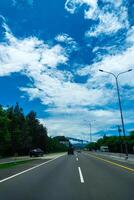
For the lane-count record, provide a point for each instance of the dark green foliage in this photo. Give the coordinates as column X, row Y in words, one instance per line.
column 61, row 138
column 55, row 146
column 20, row 133
column 132, row 134
column 92, row 146
column 114, row 143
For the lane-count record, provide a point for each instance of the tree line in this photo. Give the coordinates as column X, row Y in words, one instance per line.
column 115, row 143
column 19, row 133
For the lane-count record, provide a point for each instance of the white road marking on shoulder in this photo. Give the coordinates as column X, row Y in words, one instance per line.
column 81, row 176
column 13, row 176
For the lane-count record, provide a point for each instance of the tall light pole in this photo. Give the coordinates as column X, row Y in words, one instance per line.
column 120, row 106
column 119, row 131
column 90, row 125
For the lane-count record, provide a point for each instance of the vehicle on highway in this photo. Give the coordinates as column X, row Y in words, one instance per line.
column 70, row 151
column 36, row 152
column 78, row 150
column 104, row 149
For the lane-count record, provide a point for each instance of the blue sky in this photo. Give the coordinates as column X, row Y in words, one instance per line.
column 50, row 56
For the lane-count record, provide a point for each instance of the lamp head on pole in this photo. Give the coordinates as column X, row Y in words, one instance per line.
column 101, row 70
column 130, row 70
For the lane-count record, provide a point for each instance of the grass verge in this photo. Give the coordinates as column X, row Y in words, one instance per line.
column 14, row 163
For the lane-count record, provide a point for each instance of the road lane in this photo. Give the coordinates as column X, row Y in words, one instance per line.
column 56, row 180
column 81, row 176
column 106, row 181
column 116, row 163
column 60, row 180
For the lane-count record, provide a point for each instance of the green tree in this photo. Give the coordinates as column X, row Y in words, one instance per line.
column 5, row 137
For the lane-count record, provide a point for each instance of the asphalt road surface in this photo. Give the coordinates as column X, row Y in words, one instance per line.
column 73, row 177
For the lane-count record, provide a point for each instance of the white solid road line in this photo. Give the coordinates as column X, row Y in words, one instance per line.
column 81, row 176
column 13, row 176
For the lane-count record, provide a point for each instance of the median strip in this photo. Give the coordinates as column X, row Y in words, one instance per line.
column 113, row 163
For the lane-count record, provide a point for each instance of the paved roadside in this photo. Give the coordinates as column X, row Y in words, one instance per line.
column 117, row 155
column 52, row 155
column 4, row 173
column 20, row 158
column 114, row 157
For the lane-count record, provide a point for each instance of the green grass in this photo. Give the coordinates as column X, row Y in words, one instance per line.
column 13, row 164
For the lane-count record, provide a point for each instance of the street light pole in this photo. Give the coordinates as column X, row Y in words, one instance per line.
column 119, row 131
column 90, row 125
column 120, row 106
column 90, row 132
column 122, row 120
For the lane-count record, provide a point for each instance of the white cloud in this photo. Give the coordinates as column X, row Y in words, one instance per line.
column 115, row 62
column 130, row 36
column 71, row 45
column 54, row 87
column 39, row 61
column 28, row 55
column 101, row 80
column 64, row 38
column 116, row 3
column 62, row 94
column 78, row 126
column 109, row 24
column 72, row 5
column 112, row 16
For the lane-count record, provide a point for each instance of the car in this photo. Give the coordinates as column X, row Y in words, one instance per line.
column 79, row 150
column 70, row 151
column 36, row 152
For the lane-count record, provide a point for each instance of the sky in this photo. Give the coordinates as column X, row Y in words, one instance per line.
column 50, row 55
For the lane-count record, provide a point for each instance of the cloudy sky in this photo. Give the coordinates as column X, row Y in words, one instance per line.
column 50, row 55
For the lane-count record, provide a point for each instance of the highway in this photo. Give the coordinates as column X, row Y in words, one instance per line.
column 71, row 177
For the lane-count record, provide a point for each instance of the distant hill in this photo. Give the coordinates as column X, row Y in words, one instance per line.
column 79, row 145
column 61, row 138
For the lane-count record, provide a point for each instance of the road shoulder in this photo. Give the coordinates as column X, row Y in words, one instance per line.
column 15, row 169
column 111, row 160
